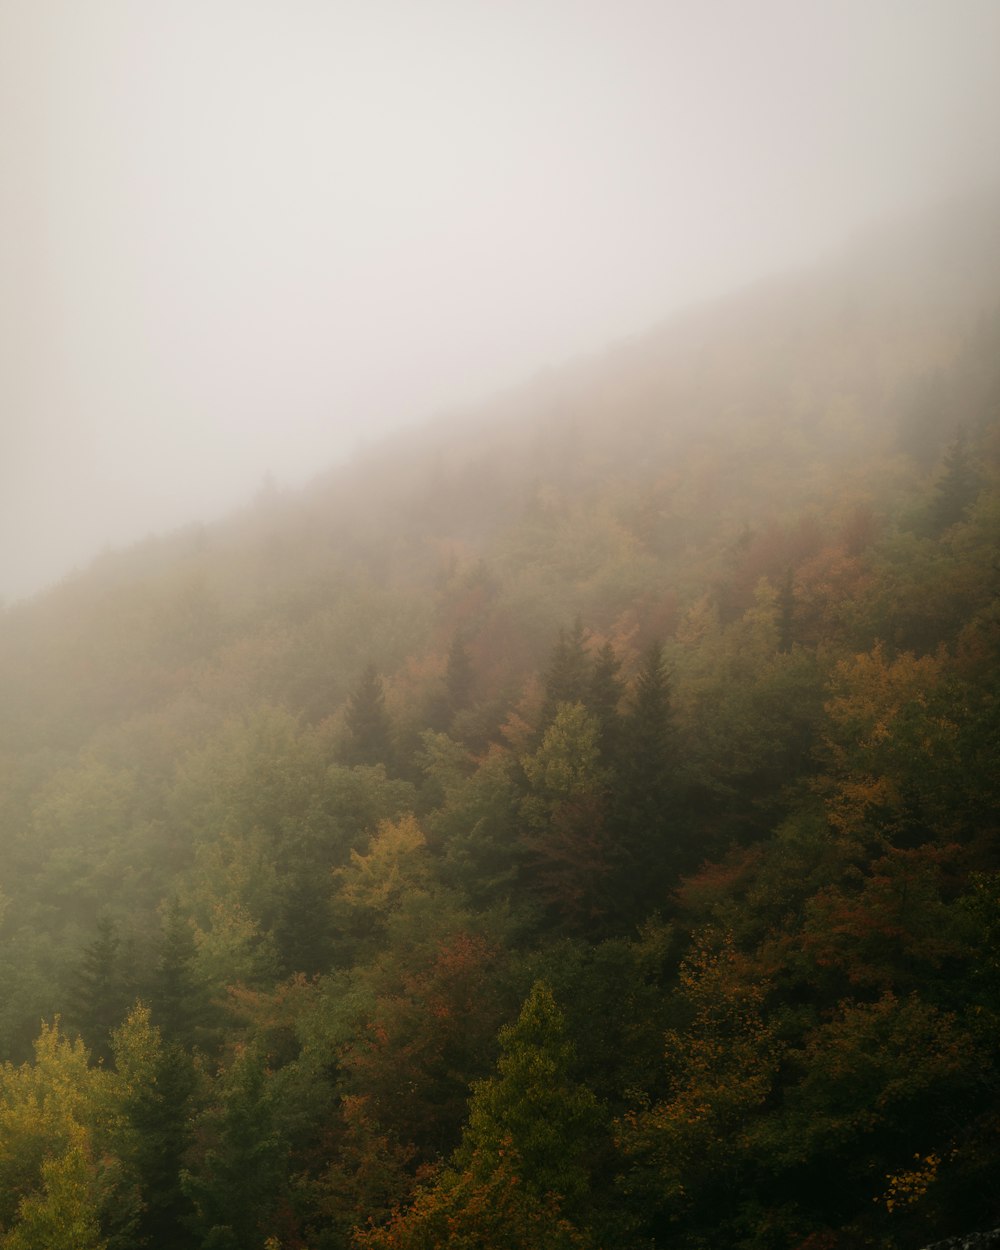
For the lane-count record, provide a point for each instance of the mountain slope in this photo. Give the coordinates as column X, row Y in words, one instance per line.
column 658, row 698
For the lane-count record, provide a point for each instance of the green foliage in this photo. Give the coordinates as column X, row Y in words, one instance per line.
column 565, row 839
column 369, row 732
column 365, row 876
column 103, row 990
column 238, row 1163
column 535, row 1105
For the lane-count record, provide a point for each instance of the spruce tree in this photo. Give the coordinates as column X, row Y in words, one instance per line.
column 566, row 678
column 459, row 678
column 369, row 731
column 956, row 489
column 647, row 851
column 101, row 993
column 180, row 1008
column 534, row 1106
column 603, row 697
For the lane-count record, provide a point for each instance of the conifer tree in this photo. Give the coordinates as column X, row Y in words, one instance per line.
column 521, row 1178
column 956, row 489
column 159, row 1082
column 566, row 678
column 235, row 1183
column 459, row 678
column 179, row 1007
column 101, row 994
column 604, row 694
column 369, row 731
column 535, row 1105
column 646, row 852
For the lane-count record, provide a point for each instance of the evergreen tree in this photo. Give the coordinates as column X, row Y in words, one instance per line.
column 159, row 1082
column 535, row 1105
column 180, row 1008
column 527, row 1152
column 646, row 853
column 101, row 992
column 237, row 1180
column 303, row 921
column 459, row 678
column 956, row 489
column 604, row 695
column 566, row 678
column 369, row 731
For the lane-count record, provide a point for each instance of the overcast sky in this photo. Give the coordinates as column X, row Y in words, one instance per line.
column 235, row 235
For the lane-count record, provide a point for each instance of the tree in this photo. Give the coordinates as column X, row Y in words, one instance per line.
column 62, row 1180
column 235, row 1179
column 603, row 698
column 535, row 1105
column 157, row 1080
column 647, row 854
column 690, row 1150
column 565, row 836
column 102, row 989
column 369, row 730
column 566, row 678
column 528, row 1149
column 956, row 489
column 179, row 1006
column 459, row 678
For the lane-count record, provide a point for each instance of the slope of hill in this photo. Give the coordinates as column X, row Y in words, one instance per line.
column 638, row 730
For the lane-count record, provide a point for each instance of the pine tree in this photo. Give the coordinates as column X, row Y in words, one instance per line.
column 535, row 1106
column 237, row 1181
column 369, row 730
column 526, row 1154
column 956, row 489
column 604, row 695
column 459, row 678
column 179, row 1005
column 566, row 678
column 647, row 854
column 101, row 993
column 158, row 1079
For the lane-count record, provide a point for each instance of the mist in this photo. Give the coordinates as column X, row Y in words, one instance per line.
column 239, row 239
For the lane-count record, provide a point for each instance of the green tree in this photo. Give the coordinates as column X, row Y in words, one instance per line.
column 603, row 699
column 647, row 850
column 102, row 989
column 235, row 1178
column 459, row 680
column 158, row 1081
column 564, row 838
column 535, row 1105
column 566, row 678
column 956, row 489
column 528, row 1149
column 369, row 730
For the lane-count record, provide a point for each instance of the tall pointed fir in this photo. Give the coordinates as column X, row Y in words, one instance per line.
column 647, row 852
column 603, row 699
column 521, row 1179
column 566, row 678
column 956, row 488
column 369, row 730
column 102, row 990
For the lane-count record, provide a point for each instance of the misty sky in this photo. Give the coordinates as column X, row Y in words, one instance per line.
column 236, row 235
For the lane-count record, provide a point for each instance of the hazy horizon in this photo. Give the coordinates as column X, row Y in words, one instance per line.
column 239, row 240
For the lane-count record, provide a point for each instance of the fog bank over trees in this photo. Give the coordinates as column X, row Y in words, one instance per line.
column 239, row 238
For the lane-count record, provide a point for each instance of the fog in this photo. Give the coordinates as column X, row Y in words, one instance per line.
column 237, row 238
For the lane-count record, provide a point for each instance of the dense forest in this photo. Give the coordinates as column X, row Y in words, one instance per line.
column 573, row 824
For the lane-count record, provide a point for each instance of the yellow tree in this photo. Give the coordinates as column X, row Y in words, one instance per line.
column 62, row 1186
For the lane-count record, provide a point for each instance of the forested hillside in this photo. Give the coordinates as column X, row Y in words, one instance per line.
column 574, row 824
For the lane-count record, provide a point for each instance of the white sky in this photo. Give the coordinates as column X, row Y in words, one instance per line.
column 235, row 235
